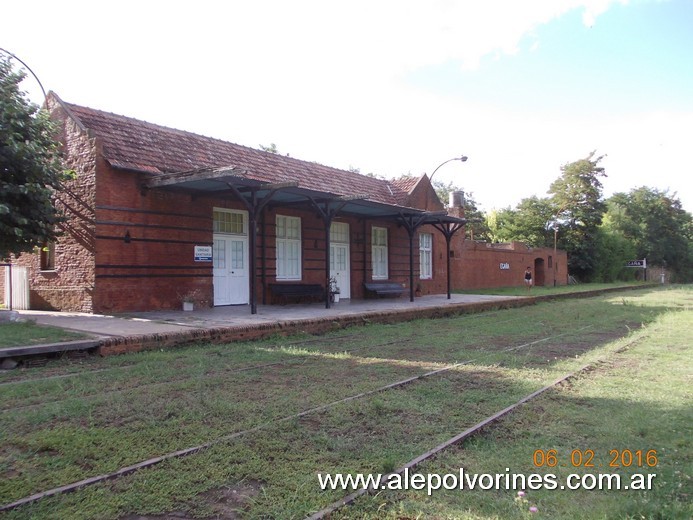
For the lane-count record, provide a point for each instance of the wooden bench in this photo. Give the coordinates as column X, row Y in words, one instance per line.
column 297, row 291
column 384, row 288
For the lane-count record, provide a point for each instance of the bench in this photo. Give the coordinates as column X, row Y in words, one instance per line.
column 384, row 288
column 297, row 291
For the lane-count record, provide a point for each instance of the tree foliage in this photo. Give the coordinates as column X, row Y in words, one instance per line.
column 578, row 210
column 612, row 252
column 657, row 226
column 530, row 223
column 477, row 226
column 272, row 148
column 29, row 169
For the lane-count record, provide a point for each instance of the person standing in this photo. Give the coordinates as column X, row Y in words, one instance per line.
column 528, row 278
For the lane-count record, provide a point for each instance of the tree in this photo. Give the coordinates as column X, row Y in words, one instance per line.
column 272, row 148
column 477, row 226
column 578, row 210
column 530, row 223
column 657, row 225
column 613, row 251
column 30, row 169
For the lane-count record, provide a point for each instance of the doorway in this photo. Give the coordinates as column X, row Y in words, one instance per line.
column 340, row 266
column 230, row 257
column 539, row 272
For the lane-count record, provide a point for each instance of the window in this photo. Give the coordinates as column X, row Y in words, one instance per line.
column 379, row 253
column 339, row 232
column 48, row 256
column 229, row 222
column 288, row 248
column 425, row 256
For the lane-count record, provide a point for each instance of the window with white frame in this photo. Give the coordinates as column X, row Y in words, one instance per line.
column 425, row 256
column 288, row 248
column 232, row 222
column 379, row 253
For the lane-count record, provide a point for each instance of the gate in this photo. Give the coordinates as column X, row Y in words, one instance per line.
column 16, row 287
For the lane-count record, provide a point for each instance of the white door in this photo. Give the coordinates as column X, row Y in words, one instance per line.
column 230, row 259
column 340, row 267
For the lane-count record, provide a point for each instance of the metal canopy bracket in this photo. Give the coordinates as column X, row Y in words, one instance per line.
column 255, row 208
column 258, row 196
column 439, row 220
column 327, row 211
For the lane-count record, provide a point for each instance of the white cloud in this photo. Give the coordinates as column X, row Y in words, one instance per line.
column 324, row 82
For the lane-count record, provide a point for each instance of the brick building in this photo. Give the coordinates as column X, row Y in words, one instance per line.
column 157, row 214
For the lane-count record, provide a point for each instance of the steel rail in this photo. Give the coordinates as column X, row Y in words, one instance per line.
column 276, row 347
column 11, row 409
column 349, row 499
column 74, row 486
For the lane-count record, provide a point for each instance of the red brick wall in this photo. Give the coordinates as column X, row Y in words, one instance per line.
column 70, row 286
column 156, row 266
column 479, row 265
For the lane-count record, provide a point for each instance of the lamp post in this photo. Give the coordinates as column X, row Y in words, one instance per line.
column 11, row 55
column 461, row 158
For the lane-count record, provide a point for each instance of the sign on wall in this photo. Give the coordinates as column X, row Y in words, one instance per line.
column 203, row 253
column 504, row 265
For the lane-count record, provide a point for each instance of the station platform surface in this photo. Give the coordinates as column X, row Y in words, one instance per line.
column 124, row 332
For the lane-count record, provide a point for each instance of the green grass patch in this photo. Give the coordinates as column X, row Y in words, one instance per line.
column 630, row 416
column 547, row 290
column 121, row 410
column 17, row 334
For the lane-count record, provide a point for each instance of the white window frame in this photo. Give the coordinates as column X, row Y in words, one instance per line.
column 379, row 252
column 228, row 223
column 425, row 256
column 288, row 248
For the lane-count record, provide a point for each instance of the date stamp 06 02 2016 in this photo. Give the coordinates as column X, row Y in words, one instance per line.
column 586, row 459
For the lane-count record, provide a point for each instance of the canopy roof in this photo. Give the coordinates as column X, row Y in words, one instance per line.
column 233, row 180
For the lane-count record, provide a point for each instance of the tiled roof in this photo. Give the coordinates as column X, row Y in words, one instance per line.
column 137, row 145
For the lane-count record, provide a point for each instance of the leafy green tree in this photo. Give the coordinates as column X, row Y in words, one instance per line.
column 660, row 229
column 531, row 223
column 612, row 251
column 477, row 227
column 578, row 210
column 272, row 148
column 30, row 169
column 498, row 223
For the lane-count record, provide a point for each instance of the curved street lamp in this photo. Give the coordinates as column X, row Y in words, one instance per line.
column 461, row 158
column 12, row 55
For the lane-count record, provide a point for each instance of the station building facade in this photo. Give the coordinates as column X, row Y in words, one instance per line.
column 155, row 216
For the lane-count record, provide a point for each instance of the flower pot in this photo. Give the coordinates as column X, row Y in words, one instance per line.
column 335, row 297
column 188, row 306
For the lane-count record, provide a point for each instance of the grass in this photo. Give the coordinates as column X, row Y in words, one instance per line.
column 13, row 334
column 117, row 411
column 548, row 290
column 636, row 402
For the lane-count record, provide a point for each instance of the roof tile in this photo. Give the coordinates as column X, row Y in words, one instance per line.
column 138, row 145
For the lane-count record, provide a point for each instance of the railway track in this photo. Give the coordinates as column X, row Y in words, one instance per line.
column 127, row 470
column 296, row 359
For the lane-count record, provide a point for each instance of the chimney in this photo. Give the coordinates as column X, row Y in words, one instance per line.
column 456, row 205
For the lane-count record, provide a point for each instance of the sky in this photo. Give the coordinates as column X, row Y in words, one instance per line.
column 391, row 87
